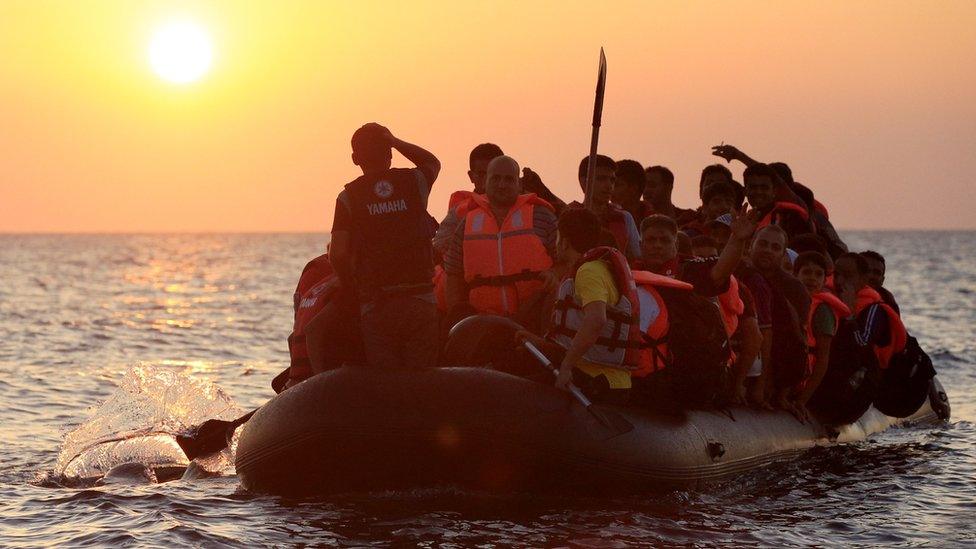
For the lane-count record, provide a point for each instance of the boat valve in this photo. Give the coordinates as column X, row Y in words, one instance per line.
column 716, row 450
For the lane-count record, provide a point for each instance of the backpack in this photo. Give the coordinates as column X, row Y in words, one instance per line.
column 904, row 384
column 698, row 369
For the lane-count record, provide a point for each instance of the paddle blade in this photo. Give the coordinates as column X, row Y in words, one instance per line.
column 601, row 86
column 210, row 437
column 611, row 420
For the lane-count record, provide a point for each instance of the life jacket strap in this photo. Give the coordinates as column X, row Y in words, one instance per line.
column 504, row 280
column 568, row 303
column 602, row 341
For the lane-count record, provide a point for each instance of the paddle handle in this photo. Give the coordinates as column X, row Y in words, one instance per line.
column 548, row 364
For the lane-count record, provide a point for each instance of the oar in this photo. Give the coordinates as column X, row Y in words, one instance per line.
column 610, row 420
column 601, row 85
column 214, row 435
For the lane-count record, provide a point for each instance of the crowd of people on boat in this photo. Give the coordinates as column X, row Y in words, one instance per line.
column 750, row 297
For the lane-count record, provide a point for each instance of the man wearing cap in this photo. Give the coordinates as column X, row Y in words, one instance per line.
column 381, row 246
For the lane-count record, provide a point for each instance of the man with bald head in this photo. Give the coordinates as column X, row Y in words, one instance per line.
column 785, row 343
column 498, row 257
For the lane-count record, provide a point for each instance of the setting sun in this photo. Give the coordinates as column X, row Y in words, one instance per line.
column 180, row 52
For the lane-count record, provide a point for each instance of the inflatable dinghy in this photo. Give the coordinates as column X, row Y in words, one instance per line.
column 357, row 429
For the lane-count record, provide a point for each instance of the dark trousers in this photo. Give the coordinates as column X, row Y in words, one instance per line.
column 400, row 332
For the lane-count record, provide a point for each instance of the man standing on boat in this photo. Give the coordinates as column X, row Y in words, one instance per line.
column 381, row 245
column 500, row 254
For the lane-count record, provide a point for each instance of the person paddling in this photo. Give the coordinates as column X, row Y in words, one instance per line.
column 594, row 326
column 381, row 246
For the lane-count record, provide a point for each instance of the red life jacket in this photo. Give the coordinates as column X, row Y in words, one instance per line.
column 837, row 307
column 502, row 264
column 654, row 353
column 616, row 220
column 619, row 343
column 317, row 286
column 898, row 336
column 774, row 215
column 817, row 205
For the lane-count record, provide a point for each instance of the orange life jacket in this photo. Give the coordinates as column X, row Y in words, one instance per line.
column 458, row 197
column 731, row 304
column 317, row 286
column 898, row 336
column 502, row 264
column 620, row 341
column 654, row 355
column 837, row 307
column 773, row 217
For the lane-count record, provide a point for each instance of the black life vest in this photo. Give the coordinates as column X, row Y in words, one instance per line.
column 391, row 233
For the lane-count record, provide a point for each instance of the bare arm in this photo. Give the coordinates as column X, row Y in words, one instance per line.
column 759, row 397
column 821, row 356
column 730, row 153
column 420, row 157
column 594, row 317
column 743, row 225
column 751, row 345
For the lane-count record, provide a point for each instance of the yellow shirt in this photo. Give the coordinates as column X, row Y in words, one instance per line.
column 594, row 282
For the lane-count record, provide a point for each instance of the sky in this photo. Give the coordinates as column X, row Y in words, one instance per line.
column 873, row 104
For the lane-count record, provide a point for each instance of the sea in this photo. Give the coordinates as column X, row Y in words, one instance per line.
column 132, row 337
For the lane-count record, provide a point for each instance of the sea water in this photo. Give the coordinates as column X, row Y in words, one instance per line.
column 129, row 337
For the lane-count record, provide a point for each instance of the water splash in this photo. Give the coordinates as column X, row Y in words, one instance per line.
column 138, row 422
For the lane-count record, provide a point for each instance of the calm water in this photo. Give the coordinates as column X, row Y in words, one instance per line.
column 77, row 313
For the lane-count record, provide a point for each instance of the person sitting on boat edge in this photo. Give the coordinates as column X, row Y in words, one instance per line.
column 326, row 330
column 711, row 277
column 876, row 277
column 789, row 310
column 500, row 255
column 826, row 312
column 878, row 325
column 381, row 244
column 616, row 220
column 861, row 348
column 594, row 335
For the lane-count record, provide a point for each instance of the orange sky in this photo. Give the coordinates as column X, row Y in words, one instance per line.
column 872, row 104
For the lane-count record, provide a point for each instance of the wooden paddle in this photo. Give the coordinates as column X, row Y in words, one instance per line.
column 214, row 435
column 610, row 420
column 601, row 85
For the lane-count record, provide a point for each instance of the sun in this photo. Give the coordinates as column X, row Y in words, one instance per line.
column 180, row 52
